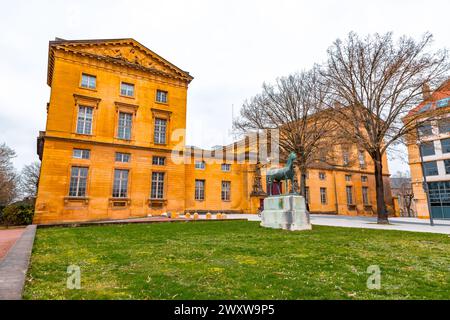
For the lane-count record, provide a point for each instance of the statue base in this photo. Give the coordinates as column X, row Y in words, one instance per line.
column 286, row 212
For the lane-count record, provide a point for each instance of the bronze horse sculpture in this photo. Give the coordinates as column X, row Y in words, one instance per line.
column 280, row 174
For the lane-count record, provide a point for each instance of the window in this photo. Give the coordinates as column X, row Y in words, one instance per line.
column 349, row 191
column 226, row 167
column 445, row 144
column 322, row 175
column 323, row 195
column 200, row 165
column 160, row 131
column 120, row 187
column 81, row 153
column 122, row 157
column 88, row 81
column 365, row 195
column 427, row 148
column 425, row 107
column 226, row 189
column 430, row 168
column 443, row 102
column 348, row 177
column 307, row 194
column 447, row 166
column 127, row 89
column 124, row 130
column 199, row 189
column 425, row 129
column 157, row 185
column 78, row 177
column 159, row 161
column 363, row 178
column 346, row 158
column 444, row 125
column 84, row 122
column 161, row 96
column 362, row 160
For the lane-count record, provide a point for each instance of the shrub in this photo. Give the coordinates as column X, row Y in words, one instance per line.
column 17, row 214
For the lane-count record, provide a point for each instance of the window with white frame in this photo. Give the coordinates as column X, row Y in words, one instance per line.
column 127, row 89
column 81, row 153
column 444, row 125
column 323, row 195
column 425, row 129
column 84, row 121
column 199, row 189
column 365, row 195
column 88, row 81
column 161, row 96
column 431, row 168
column 120, row 187
column 157, row 191
column 363, row 178
column 322, row 175
column 362, row 159
column 200, row 165
column 123, row 157
column 348, row 177
column 159, row 161
column 160, row 131
column 226, row 189
column 226, row 167
column 346, row 157
column 349, row 191
column 124, row 127
column 78, row 178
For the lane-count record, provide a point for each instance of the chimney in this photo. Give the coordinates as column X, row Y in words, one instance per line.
column 426, row 91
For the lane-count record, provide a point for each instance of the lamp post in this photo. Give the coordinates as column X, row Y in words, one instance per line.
column 425, row 184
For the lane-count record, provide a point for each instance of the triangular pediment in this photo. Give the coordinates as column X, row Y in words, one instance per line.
column 124, row 51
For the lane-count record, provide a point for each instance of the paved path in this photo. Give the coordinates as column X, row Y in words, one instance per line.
column 7, row 238
column 402, row 224
column 14, row 266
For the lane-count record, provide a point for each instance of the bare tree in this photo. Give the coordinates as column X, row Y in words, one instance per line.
column 8, row 177
column 292, row 105
column 374, row 82
column 29, row 179
column 407, row 196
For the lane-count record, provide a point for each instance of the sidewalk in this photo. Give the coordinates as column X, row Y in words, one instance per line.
column 14, row 266
column 401, row 224
column 7, row 239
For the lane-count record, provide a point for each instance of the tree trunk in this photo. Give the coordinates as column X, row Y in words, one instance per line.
column 379, row 187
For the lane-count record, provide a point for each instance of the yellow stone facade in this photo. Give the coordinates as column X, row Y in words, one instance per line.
column 112, row 63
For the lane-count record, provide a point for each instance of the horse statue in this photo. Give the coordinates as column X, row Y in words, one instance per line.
column 280, row 174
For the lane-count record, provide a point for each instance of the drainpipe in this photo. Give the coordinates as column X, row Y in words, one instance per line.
column 335, row 193
column 425, row 184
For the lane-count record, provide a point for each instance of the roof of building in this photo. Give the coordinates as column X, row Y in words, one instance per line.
column 76, row 46
column 438, row 99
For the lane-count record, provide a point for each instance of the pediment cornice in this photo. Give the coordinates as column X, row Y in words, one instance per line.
column 124, row 52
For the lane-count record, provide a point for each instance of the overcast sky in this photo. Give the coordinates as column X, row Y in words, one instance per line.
column 230, row 47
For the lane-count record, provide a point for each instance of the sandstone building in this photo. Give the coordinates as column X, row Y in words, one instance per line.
column 114, row 146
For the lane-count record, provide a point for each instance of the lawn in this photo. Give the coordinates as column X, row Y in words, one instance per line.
column 236, row 260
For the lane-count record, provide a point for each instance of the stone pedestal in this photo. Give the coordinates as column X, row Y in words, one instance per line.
column 285, row 212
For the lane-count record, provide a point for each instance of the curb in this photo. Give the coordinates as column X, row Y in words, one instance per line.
column 14, row 266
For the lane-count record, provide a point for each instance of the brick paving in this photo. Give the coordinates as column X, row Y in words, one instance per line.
column 7, row 238
column 14, row 266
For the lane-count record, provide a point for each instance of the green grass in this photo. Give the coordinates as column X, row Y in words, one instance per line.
column 237, row 260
